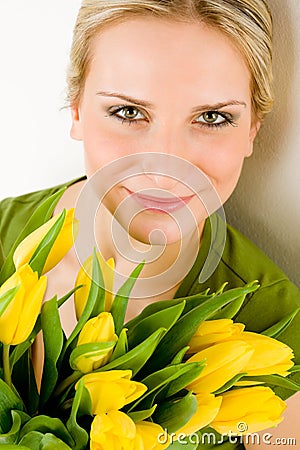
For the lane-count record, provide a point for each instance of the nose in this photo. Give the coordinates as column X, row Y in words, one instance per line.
column 165, row 170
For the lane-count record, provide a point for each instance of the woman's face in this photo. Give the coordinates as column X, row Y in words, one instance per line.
column 160, row 86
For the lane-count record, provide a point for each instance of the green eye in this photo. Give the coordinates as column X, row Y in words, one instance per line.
column 214, row 119
column 211, row 117
column 130, row 112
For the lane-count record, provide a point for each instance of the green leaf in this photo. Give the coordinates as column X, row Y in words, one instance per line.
column 16, row 447
column 153, row 308
column 53, row 342
column 21, row 349
column 184, row 443
column 45, row 424
column 136, row 358
column 180, row 355
column 162, row 380
column 148, row 325
column 138, row 416
column 40, row 255
column 188, row 374
column 229, row 384
column 25, row 383
column 119, row 306
column 190, row 303
column 2, row 256
column 79, row 435
column 181, row 333
column 275, row 380
column 8, row 402
column 50, row 442
column 12, row 435
column 275, row 330
column 32, row 440
column 295, row 368
column 66, row 297
column 96, row 295
column 7, row 297
column 175, row 413
column 40, row 216
column 229, row 311
column 38, row 441
column 121, row 346
column 89, row 350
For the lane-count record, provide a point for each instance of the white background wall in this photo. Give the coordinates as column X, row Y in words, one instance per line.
column 36, row 150
column 266, row 204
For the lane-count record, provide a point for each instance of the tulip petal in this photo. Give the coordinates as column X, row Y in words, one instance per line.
column 212, row 331
column 19, row 317
column 223, row 362
column 112, row 390
column 32, row 307
column 147, row 436
column 208, row 408
column 270, row 356
column 62, row 244
column 256, row 407
column 114, row 430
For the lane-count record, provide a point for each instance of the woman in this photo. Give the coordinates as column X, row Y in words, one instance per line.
column 173, row 87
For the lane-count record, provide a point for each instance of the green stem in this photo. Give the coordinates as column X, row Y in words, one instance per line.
column 6, row 365
column 67, row 382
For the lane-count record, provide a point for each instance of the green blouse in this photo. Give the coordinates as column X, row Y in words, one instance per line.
column 240, row 262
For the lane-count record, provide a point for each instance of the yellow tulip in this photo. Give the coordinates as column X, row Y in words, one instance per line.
column 98, row 329
column 223, row 362
column 18, row 319
column 146, row 437
column 248, row 410
column 270, row 356
column 112, row 390
column 212, row 331
column 113, row 430
column 208, row 408
column 84, row 277
column 62, row 244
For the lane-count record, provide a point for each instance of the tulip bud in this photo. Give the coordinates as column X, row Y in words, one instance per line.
column 208, row 408
column 270, row 356
column 112, row 390
column 18, row 318
column 112, row 430
column 147, row 436
column 62, row 244
column 248, row 410
column 84, row 278
column 100, row 329
column 223, row 362
column 213, row 331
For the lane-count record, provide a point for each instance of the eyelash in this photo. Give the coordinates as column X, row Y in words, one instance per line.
column 228, row 119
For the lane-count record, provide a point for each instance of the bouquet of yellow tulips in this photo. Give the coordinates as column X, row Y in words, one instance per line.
column 180, row 367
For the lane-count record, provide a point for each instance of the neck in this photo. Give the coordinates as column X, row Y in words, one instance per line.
column 165, row 265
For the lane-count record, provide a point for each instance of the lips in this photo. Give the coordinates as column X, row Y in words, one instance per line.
column 161, row 204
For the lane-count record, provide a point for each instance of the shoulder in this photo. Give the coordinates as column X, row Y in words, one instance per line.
column 15, row 212
column 232, row 258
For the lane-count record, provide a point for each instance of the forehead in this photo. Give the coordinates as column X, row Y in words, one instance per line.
column 147, row 53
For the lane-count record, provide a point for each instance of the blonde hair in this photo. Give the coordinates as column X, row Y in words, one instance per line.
column 247, row 23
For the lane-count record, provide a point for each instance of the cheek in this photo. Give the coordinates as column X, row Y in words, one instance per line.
column 101, row 147
column 222, row 161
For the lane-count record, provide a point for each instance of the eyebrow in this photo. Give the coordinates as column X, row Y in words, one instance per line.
column 126, row 98
column 219, row 105
column 146, row 104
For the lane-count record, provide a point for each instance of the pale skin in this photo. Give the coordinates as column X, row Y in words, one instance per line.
column 188, row 104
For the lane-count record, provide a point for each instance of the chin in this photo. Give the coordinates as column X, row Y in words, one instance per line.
column 156, row 228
